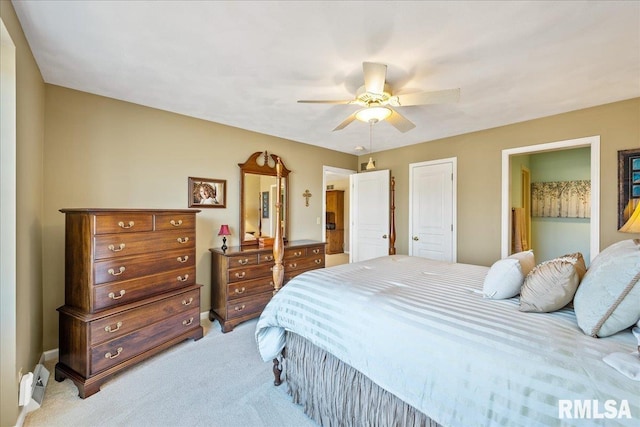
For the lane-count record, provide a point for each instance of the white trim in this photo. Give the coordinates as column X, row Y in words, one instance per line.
column 332, row 169
column 591, row 141
column 8, row 283
column 454, row 204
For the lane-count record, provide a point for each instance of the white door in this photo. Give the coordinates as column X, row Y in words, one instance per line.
column 432, row 209
column 369, row 215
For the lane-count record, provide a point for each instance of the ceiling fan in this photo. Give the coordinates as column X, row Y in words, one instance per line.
column 377, row 100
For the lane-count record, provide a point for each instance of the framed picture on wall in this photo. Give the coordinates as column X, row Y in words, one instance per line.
column 628, row 183
column 265, row 204
column 207, row 193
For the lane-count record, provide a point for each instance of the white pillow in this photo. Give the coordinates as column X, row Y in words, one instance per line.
column 608, row 299
column 504, row 279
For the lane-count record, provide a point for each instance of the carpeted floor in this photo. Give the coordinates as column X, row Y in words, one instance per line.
column 218, row 381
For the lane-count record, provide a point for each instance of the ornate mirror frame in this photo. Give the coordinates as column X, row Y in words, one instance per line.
column 261, row 164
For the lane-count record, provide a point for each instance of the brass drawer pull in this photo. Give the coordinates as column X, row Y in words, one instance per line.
column 121, row 224
column 316, row 251
column 183, row 240
column 183, row 259
column 318, row 261
column 176, row 223
column 183, row 279
column 112, row 248
column 239, row 291
column 113, row 356
column 108, row 327
column 293, row 265
column 269, row 257
column 185, row 302
column 113, row 296
column 296, row 254
column 239, row 308
column 187, row 322
column 112, row 272
column 241, row 275
column 243, row 261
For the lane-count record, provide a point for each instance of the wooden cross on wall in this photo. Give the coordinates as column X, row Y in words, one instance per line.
column 306, row 195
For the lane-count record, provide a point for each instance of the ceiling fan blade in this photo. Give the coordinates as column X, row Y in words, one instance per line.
column 422, row 98
column 346, row 122
column 374, row 77
column 399, row 121
column 328, row 101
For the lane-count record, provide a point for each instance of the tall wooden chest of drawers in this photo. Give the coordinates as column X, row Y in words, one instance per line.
column 242, row 280
column 130, row 290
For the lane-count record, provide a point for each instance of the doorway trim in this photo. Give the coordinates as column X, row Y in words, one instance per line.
column 339, row 171
column 591, row 141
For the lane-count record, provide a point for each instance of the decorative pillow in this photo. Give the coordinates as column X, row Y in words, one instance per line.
column 527, row 260
column 550, row 286
column 608, row 299
column 581, row 267
column 503, row 280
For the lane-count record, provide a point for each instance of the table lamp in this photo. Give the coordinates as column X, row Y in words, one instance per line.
column 224, row 232
column 633, row 223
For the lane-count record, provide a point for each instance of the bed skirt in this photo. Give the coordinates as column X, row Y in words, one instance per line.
column 333, row 393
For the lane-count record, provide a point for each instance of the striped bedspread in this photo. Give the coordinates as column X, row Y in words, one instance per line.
column 421, row 330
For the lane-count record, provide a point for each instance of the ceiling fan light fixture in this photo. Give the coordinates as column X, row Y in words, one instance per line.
column 373, row 113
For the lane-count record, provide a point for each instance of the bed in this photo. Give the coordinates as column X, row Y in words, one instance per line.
column 401, row 340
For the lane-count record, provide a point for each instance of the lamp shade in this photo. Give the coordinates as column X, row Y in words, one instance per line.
column 633, row 223
column 224, row 230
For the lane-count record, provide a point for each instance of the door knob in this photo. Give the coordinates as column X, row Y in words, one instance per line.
column 384, row 236
column 415, row 238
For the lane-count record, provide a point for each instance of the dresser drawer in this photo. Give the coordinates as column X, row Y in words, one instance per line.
column 265, row 258
column 242, row 260
column 175, row 221
column 116, row 351
column 295, row 253
column 248, row 273
column 248, row 305
column 126, row 322
column 112, row 270
column 123, row 223
column 250, row 287
column 316, row 250
column 112, row 294
column 304, row 263
column 119, row 245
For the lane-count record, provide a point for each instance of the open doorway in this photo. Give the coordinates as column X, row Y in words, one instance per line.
column 335, row 221
column 592, row 226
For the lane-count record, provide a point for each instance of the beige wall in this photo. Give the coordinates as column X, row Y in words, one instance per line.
column 479, row 171
column 30, row 95
column 100, row 152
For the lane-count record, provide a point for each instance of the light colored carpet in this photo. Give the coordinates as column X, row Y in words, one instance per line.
column 218, row 381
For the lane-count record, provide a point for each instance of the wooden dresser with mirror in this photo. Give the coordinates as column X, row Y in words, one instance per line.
column 243, row 277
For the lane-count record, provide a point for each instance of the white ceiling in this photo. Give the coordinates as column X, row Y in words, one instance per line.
column 245, row 64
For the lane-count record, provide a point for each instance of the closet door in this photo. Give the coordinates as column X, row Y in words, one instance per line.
column 432, row 210
column 369, row 215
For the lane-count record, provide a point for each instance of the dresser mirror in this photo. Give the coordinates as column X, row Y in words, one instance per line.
column 257, row 198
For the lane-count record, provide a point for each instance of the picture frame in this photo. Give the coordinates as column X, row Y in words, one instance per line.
column 628, row 183
column 207, row 192
column 265, row 204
